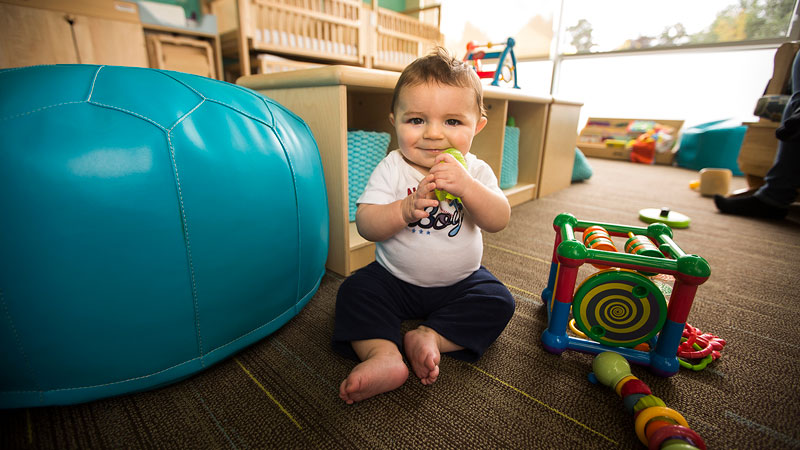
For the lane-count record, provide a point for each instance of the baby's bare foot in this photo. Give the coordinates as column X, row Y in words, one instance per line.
column 422, row 351
column 373, row 376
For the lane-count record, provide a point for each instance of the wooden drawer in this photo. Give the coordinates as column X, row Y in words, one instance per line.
column 182, row 54
column 265, row 63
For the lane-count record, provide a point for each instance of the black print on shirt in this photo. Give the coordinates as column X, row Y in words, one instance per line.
column 440, row 219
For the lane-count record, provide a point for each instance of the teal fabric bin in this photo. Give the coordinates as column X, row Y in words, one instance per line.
column 510, row 169
column 713, row 144
column 365, row 149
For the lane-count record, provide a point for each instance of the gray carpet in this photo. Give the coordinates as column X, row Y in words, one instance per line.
column 282, row 391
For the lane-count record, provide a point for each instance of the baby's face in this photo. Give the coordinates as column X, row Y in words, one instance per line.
column 430, row 118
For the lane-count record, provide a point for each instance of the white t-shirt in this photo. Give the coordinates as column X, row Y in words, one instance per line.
column 435, row 251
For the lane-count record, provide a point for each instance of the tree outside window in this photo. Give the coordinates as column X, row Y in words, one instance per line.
column 595, row 27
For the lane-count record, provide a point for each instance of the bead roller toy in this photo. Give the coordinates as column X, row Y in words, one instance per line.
column 505, row 70
column 619, row 308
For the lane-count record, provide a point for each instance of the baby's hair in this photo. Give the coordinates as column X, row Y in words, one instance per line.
column 441, row 68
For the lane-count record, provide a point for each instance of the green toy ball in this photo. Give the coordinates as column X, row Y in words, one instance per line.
column 610, row 368
column 441, row 194
column 664, row 215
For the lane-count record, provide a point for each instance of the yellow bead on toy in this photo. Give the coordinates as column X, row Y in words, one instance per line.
column 657, row 411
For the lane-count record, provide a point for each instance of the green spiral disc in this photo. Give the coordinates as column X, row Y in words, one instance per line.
column 619, row 308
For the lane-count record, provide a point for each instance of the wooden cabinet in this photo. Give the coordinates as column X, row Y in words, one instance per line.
column 334, row 99
column 30, row 36
column 62, row 32
column 558, row 154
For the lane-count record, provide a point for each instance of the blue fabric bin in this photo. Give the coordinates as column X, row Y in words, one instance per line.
column 510, row 168
column 365, row 149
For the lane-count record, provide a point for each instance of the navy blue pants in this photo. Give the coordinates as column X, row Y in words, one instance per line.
column 372, row 303
column 783, row 179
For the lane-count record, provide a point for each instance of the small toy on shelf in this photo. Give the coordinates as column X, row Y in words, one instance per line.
column 656, row 425
column 504, row 70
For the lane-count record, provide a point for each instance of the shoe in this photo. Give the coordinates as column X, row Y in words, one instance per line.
column 749, row 206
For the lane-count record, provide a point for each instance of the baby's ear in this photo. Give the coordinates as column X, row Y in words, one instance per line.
column 391, row 118
column 481, row 123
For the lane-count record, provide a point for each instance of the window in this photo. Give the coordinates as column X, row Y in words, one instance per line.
column 708, row 59
column 590, row 26
column 535, row 77
column 694, row 86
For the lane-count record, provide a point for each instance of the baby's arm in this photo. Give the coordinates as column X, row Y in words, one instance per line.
column 380, row 222
column 489, row 209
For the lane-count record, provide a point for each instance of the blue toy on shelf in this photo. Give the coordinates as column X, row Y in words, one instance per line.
column 154, row 223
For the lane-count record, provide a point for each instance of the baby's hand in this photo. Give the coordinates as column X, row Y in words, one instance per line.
column 450, row 175
column 413, row 206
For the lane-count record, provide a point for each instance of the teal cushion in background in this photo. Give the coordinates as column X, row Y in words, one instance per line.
column 153, row 223
column 581, row 170
column 712, row 144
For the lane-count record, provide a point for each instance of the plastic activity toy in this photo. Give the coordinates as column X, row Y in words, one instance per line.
column 620, row 307
column 656, row 425
column 504, row 70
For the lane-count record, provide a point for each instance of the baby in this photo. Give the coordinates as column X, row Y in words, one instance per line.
column 428, row 253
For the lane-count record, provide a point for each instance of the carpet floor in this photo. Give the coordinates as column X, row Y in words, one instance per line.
column 282, row 391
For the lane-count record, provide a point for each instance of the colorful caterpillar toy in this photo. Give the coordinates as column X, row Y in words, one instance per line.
column 658, row 427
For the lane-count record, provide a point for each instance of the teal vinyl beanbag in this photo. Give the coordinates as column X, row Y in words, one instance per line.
column 152, row 223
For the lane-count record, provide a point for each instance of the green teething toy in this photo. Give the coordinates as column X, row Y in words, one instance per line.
column 441, row 194
column 664, row 215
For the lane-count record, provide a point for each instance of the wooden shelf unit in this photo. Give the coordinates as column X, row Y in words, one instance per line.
column 333, row 99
